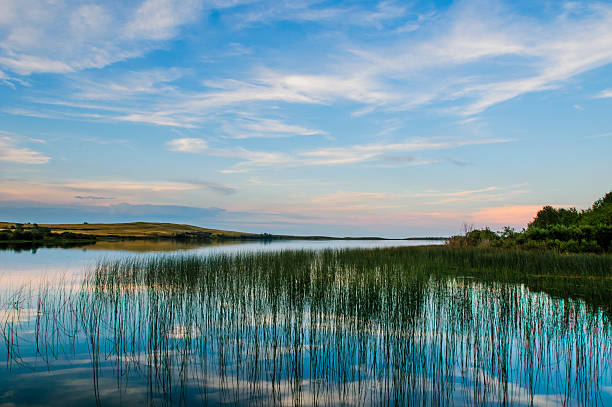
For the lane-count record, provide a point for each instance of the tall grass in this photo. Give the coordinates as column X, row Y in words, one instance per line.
column 409, row 326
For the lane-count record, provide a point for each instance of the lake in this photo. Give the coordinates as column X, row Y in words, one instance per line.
column 308, row 323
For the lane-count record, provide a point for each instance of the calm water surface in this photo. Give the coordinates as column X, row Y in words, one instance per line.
column 141, row 323
column 44, row 261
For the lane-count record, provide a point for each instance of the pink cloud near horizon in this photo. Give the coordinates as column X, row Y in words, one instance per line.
column 512, row 215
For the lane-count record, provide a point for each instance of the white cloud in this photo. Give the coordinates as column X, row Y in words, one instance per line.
column 143, row 191
column 129, row 84
column 342, row 155
column 10, row 80
column 488, row 194
column 185, row 109
column 604, row 94
column 126, row 185
column 92, row 19
column 355, row 14
column 167, row 105
column 158, row 118
column 455, row 193
column 250, row 126
column 60, row 37
column 52, row 114
column 159, row 19
column 187, row 145
column 253, row 159
column 12, row 153
column 27, row 64
column 325, row 88
column 412, row 73
column 360, row 153
column 460, row 62
column 453, row 66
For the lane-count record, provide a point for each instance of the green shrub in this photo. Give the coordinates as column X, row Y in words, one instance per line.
column 570, row 246
column 589, row 246
column 603, row 236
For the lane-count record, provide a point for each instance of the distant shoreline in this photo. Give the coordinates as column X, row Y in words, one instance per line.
column 69, row 234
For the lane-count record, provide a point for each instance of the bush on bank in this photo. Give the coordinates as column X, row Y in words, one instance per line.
column 563, row 230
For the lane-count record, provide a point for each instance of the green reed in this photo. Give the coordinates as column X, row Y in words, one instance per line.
column 405, row 326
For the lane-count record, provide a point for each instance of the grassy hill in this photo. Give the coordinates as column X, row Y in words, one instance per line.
column 133, row 230
column 17, row 232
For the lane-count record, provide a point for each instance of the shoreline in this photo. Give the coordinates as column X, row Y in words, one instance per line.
column 155, row 231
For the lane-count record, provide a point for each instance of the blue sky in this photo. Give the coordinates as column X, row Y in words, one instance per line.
column 381, row 118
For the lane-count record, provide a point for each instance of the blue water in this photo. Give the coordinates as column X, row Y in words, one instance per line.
column 75, row 260
column 465, row 344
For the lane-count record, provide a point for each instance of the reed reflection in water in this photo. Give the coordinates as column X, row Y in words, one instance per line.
column 329, row 328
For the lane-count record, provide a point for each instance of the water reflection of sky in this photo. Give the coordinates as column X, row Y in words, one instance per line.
column 67, row 378
column 74, row 260
column 62, row 371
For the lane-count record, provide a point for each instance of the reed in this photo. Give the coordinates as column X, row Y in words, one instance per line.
column 425, row 325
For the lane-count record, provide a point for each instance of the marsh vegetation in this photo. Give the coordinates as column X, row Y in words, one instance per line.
column 33, row 233
column 403, row 326
column 563, row 230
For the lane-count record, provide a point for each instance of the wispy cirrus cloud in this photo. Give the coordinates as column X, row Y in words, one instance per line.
column 250, row 126
column 82, row 190
column 130, row 84
column 83, row 36
column 359, row 153
column 65, row 37
column 351, row 154
column 450, row 70
column 388, row 209
column 77, row 212
column 604, row 94
column 157, row 118
column 187, row 145
column 251, row 159
column 93, row 197
column 315, row 11
column 213, row 186
column 399, row 199
column 488, row 194
column 11, row 81
column 150, row 97
column 342, row 84
column 160, row 19
column 128, row 185
column 10, row 151
column 451, row 64
column 455, row 193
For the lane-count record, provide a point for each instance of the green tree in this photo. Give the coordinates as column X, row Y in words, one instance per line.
column 603, row 201
column 549, row 216
column 601, row 212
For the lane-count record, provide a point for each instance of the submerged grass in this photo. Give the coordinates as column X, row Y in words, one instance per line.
column 402, row 326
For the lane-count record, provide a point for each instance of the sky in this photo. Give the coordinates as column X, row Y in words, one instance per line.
column 370, row 118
